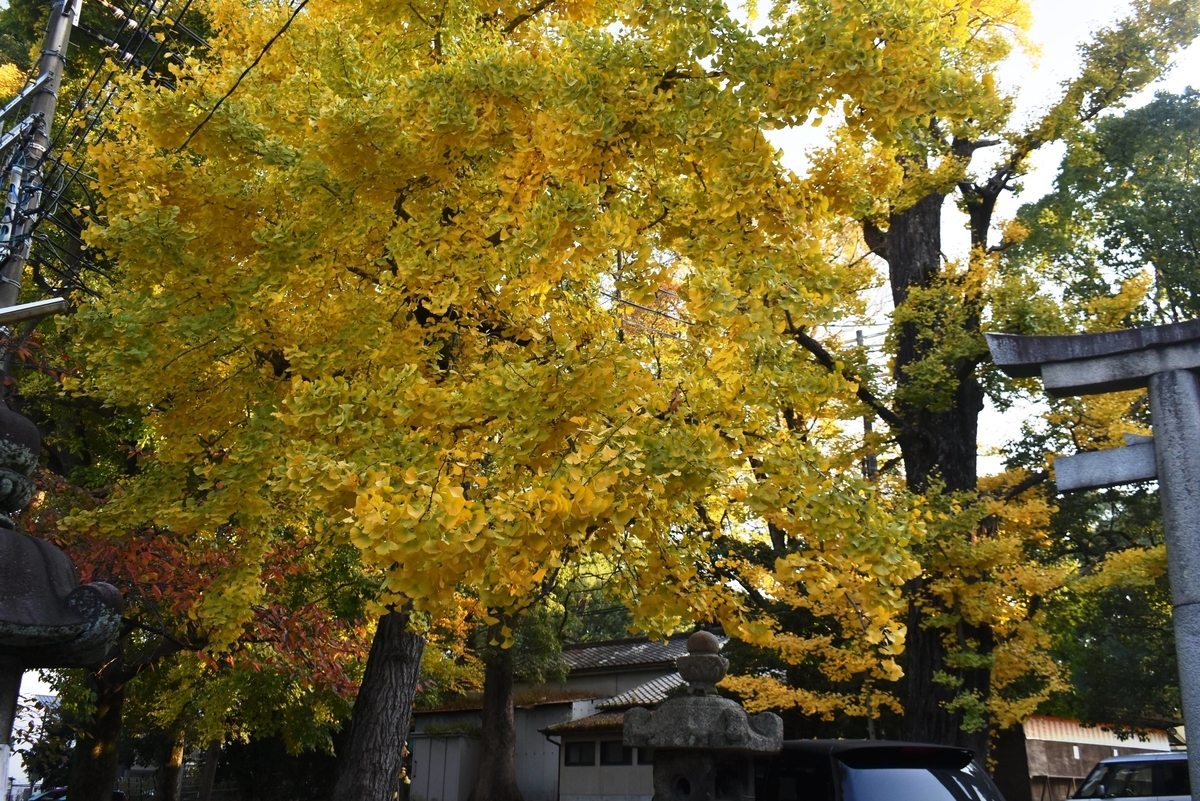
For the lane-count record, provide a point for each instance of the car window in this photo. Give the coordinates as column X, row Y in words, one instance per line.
column 798, row 777
column 1119, row 780
column 1092, row 784
column 1173, row 778
column 916, row 784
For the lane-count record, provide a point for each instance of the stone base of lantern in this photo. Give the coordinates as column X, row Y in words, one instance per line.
column 689, row 775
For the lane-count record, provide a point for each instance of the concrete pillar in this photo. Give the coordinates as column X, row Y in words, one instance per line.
column 1175, row 411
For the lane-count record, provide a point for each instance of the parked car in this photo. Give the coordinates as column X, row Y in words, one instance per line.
column 52, row 794
column 1146, row 777
column 871, row 770
column 60, row 794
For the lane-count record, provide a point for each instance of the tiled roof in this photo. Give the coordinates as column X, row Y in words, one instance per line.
column 536, row 698
column 648, row 694
column 623, row 653
column 603, row 720
column 617, row 654
column 524, row 700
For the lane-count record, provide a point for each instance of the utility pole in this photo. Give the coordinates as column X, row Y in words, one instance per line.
column 23, row 200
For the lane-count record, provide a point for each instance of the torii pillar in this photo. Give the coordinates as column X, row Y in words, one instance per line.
column 1164, row 359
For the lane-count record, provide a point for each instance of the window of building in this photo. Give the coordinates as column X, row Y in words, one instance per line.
column 645, row 756
column 615, row 752
column 579, row 753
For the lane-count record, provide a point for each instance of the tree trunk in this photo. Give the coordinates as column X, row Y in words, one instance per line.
column 933, row 444
column 94, row 759
column 212, row 756
column 936, row 443
column 497, row 780
column 169, row 776
column 926, row 718
column 370, row 766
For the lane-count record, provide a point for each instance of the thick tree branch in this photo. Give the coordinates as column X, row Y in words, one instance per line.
column 1023, row 486
column 876, row 239
column 525, row 16
column 826, row 360
column 171, row 643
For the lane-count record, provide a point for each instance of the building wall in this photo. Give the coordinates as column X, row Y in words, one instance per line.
column 536, row 759
column 598, row 782
column 444, row 768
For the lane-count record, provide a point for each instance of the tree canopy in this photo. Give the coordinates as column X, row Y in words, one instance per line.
column 1127, row 200
column 396, row 286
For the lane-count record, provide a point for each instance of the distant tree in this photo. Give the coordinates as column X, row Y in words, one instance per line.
column 1127, row 200
column 593, row 607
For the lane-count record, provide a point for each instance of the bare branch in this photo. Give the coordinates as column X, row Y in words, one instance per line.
column 295, row 12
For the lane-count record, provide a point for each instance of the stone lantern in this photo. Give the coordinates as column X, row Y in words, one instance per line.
column 47, row 618
column 704, row 745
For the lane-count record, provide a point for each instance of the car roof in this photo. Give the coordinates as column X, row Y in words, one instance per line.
column 1153, row 756
column 842, row 746
column 881, row 753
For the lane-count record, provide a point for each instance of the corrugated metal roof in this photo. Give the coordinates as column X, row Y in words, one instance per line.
column 48, row 702
column 1069, row 731
column 648, row 694
column 603, row 720
column 634, row 652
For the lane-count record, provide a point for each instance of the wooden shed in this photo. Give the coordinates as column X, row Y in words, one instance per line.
column 1048, row 758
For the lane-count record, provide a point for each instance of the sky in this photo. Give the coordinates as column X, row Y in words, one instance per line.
column 1059, row 26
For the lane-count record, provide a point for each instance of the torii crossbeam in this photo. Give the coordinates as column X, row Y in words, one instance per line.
column 1164, row 359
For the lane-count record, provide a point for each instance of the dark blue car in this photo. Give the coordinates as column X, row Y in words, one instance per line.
column 871, row 770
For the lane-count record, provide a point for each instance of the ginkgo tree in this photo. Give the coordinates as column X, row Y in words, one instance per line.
column 394, row 275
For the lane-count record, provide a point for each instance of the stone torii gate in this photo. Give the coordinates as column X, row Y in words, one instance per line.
column 1164, row 359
